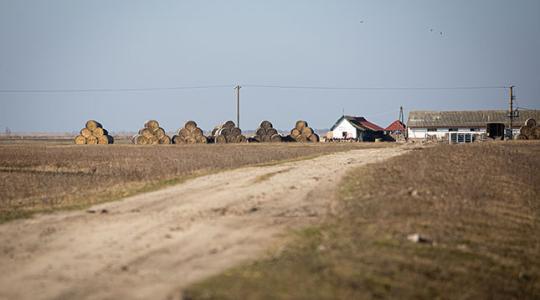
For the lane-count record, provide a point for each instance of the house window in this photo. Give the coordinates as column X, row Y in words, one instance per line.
column 432, row 129
column 474, row 129
column 452, row 129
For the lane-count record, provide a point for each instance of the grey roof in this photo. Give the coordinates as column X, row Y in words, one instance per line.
column 471, row 118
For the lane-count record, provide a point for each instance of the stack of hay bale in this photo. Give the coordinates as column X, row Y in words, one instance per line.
column 529, row 131
column 93, row 134
column 190, row 134
column 228, row 133
column 151, row 134
column 303, row 133
column 266, row 133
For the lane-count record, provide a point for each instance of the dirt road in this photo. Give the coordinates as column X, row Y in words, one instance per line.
column 151, row 245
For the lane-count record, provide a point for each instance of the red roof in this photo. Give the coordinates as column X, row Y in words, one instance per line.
column 397, row 125
column 361, row 123
column 367, row 124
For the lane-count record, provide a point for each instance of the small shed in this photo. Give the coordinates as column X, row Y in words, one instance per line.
column 356, row 128
column 396, row 127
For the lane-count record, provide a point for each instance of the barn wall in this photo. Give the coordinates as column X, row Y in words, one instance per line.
column 422, row 133
column 345, row 126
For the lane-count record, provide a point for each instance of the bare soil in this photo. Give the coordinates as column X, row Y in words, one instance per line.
column 152, row 245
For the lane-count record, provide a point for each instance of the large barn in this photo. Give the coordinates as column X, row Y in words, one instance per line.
column 356, row 128
column 492, row 123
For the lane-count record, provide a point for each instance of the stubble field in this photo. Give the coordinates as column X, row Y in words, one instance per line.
column 41, row 176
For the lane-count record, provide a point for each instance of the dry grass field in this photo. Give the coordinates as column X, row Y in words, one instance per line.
column 476, row 205
column 45, row 176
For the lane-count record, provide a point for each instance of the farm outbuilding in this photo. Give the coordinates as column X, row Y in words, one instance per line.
column 396, row 130
column 356, row 128
column 439, row 124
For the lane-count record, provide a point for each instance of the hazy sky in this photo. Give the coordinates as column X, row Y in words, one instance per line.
column 82, row 44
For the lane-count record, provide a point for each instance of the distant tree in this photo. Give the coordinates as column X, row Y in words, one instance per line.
column 8, row 131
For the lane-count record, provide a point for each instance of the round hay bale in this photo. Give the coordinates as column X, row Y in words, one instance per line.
column 530, row 122
column 301, row 124
column 526, row 131
column 314, row 138
column 235, row 131
column 201, row 139
column 190, row 125
column 146, row 132
column 220, row 139
column 261, row 131
column 536, row 133
column 197, row 132
column 302, row 139
column 176, row 139
column 91, row 140
column 521, row 137
column 184, row 132
column 92, row 124
column 80, row 140
column 240, row 139
column 160, row 133
column 103, row 140
column 265, row 138
column 86, row 132
column 229, row 124
column 270, row 132
column 165, row 140
column 154, row 140
column 110, row 138
column 139, row 139
column 266, row 125
column 295, row 133
column 191, row 140
column 151, row 124
column 307, row 132
column 98, row 132
column 225, row 131
column 276, row 138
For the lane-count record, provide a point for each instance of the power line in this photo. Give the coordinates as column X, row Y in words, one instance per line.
column 374, row 88
column 153, row 89
column 106, row 90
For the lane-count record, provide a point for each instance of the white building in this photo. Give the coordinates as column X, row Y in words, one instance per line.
column 356, row 128
column 439, row 124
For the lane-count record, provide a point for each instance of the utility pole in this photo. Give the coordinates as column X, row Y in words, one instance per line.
column 401, row 114
column 237, row 88
column 511, row 111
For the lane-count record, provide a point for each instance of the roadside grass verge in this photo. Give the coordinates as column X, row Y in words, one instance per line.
column 478, row 205
column 46, row 177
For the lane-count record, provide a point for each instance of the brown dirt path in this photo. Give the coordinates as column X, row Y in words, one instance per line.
column 152, row 245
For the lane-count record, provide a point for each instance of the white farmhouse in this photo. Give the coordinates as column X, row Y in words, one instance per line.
column 438, row 124
column 356, row 128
